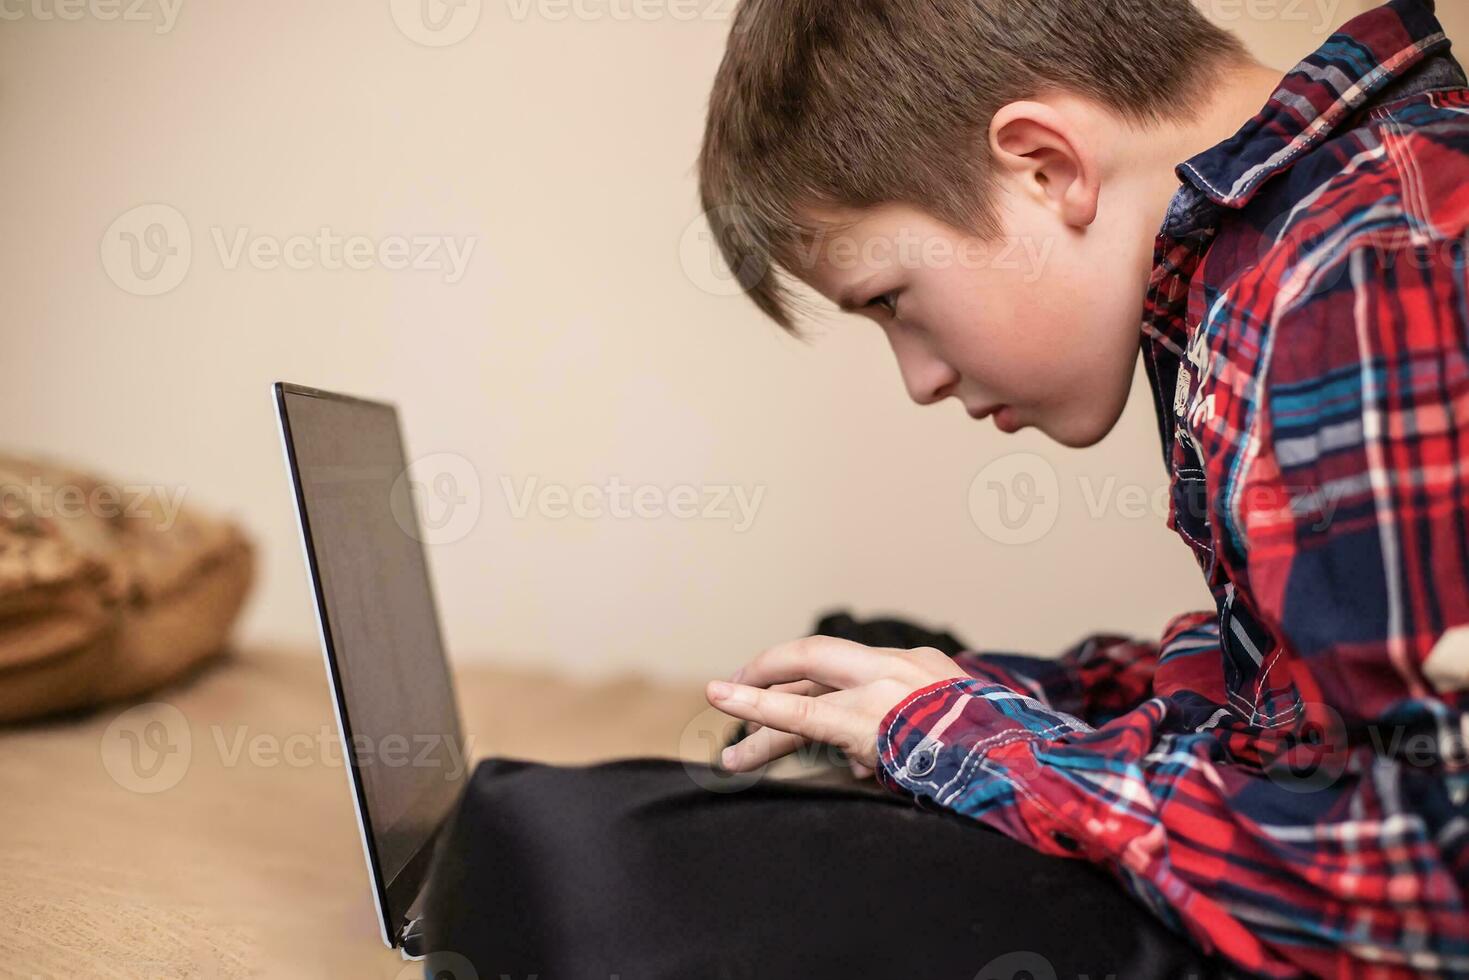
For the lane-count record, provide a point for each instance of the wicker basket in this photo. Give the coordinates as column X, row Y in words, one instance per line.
column 107, row 591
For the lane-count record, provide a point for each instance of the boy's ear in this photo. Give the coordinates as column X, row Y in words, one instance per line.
column 1046, row 157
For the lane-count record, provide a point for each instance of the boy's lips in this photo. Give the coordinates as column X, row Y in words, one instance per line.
column 1005, row 419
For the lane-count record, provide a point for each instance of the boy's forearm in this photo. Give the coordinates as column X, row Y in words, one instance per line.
column 1099, row 677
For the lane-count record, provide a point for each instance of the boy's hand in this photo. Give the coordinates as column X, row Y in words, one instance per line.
column 821, row 689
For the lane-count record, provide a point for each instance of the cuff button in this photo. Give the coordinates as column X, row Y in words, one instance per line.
column 922, row 761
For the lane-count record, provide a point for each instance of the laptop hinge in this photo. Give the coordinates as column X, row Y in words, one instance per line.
column 410, row 939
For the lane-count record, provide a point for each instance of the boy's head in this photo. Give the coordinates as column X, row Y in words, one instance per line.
column 951, row 168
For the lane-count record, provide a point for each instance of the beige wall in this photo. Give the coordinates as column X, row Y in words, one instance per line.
column 585, row 340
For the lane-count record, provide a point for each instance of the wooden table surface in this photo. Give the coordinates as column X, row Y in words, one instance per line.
column 234, row 851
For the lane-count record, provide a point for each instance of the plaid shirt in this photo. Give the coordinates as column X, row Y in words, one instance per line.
column 1284, row 778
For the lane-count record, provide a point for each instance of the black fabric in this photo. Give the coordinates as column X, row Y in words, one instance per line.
column 881, row 632
column 653, row 869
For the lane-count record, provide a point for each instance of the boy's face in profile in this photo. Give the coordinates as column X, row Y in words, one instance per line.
column 1038, row 328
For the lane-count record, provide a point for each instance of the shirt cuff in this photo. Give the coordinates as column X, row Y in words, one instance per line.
column 913, row 756
column 950, row 746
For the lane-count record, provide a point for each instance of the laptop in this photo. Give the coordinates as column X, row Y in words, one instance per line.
column 391, row 687
column 390, row 680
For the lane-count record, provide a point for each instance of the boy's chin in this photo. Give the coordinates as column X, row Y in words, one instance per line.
column 1079, row 430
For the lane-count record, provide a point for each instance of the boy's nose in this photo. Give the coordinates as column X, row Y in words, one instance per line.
column 927, row 378
column 935, row 395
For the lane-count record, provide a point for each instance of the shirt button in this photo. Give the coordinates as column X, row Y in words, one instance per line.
column 1065, row 841
column 922, row 761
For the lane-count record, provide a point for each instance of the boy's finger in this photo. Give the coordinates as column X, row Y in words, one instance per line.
column 818, row 719
column 808, row 688
column 831, row 662
column 759, row 748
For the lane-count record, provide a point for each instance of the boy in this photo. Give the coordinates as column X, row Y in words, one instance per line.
column 1284, row 778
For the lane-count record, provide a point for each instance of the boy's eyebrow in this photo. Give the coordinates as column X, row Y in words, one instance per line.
column 847, row 299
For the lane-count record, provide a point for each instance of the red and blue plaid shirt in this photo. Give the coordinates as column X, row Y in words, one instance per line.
column 1284, row 778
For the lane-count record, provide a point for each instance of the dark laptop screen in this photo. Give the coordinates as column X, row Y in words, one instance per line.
column 400, row 725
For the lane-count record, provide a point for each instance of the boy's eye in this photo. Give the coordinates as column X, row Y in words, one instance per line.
column 887, row 301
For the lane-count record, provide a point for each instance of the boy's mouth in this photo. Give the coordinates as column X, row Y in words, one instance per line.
column 1006, row 420
column 980, row 413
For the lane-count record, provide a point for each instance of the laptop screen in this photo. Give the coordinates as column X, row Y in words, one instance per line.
column 395, row 700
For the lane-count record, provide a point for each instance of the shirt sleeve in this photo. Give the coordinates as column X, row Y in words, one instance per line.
column 1099, row 677
column 1355, row 853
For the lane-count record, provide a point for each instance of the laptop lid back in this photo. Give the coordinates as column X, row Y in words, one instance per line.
column 390, row 680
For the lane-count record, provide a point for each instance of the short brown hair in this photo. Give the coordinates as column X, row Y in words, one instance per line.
column 848, row 104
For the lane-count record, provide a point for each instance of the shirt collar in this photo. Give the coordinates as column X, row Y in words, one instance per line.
column 1359, row 62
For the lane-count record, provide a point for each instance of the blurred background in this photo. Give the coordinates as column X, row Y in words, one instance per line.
column 486, row 212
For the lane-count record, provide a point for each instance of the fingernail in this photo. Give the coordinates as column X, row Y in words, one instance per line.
column 720, row 690
column 726, row 758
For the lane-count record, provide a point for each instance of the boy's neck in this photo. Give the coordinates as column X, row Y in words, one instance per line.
column 1239, row 97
